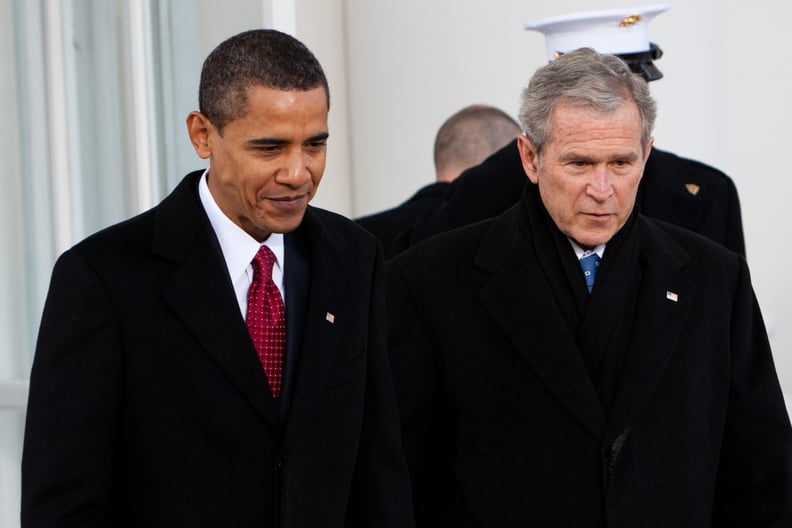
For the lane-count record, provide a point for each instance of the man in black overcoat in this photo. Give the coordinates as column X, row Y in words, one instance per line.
column 535, row 390
column 154, row 400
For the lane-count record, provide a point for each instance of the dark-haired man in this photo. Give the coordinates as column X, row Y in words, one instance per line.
column 219, row 360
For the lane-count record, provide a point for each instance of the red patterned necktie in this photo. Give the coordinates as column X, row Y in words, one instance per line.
column 266, row 319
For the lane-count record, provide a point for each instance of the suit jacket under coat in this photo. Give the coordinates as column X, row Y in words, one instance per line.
column 389, row 224
column 501, row 421
column 148, row 405
column 683, row 192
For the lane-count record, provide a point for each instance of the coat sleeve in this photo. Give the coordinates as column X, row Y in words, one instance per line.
column 67, row 460
column 381, row 496
column 755, row 472
column 423, row 410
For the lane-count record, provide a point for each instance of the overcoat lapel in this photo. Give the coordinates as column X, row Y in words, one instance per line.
column 324, row 320
column 527, row 313
column 201, row 294
column 665, row 298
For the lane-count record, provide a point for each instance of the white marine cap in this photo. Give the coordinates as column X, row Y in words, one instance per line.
column 622, row 32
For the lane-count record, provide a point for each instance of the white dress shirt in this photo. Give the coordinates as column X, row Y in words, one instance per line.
column 239, row 247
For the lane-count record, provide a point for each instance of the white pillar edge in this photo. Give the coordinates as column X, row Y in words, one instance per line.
column 60, row 177
column 139, row 34
column 283, row 14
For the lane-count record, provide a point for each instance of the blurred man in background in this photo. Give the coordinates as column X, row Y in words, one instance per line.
column 465, row 139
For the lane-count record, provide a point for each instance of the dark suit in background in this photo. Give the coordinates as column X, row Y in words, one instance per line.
column 386, row 225
column 677, row 190
column 465, row 139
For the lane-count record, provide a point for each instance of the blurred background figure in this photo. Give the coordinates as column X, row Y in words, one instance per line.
column 465, row 139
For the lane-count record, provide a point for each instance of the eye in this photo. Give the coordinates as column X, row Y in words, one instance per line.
column 577, row 165
column 267, row 149
column 621, row 166
column 316, row 146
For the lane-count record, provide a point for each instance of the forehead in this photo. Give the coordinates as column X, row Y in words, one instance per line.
column 266, row 99
column 273, row 109
column 577, row 125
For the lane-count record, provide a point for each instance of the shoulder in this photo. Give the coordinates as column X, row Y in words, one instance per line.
column 433, row 192
column 691, row 250
column 707, row 176
column 336, row 233
column 174, row 220
column 452, row 249
column 118, row 241
column 333, row 224
column 505, row 165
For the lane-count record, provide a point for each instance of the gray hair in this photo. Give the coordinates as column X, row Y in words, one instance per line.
column 586, row 79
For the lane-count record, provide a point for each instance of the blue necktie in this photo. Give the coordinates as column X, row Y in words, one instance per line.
column 590, row 265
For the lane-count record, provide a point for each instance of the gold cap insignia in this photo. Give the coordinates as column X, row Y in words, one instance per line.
column 629, row 21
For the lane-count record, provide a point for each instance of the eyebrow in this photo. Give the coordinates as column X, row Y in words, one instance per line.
column 572, row 156
column 276, row 141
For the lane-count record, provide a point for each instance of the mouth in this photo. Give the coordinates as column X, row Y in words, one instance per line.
column 598, row 216
column 289, row 203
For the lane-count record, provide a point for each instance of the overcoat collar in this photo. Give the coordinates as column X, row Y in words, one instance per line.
column 528, row 315
column 201, row 294
column 685, row 199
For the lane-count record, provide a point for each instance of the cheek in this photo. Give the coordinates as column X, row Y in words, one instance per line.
column 316, row 167
column 568, row 192
column 627, row 190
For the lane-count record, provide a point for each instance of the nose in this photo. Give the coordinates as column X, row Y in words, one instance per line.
column 295, row 169
column 599, row 186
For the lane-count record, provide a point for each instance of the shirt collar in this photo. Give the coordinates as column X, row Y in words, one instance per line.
column 238, row 246
column 581, row 253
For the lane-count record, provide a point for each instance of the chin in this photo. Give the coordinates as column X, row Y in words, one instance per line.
column 288, row 226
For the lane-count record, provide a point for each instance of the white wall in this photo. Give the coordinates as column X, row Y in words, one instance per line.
column 723, row 100
column 320, row 25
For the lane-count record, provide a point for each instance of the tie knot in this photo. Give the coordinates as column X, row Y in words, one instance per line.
column 263, row 261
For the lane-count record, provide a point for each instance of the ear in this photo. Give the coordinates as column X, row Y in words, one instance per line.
column 529, row 157
column 199, row 128
column 648, row 151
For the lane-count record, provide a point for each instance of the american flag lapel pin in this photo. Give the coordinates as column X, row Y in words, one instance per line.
column 672, row 296
column 330, row 318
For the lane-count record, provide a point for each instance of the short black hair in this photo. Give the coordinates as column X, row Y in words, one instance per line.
column 259, row 57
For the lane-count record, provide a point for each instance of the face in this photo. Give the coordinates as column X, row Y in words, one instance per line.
column 588, row 172
column 267, row 165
